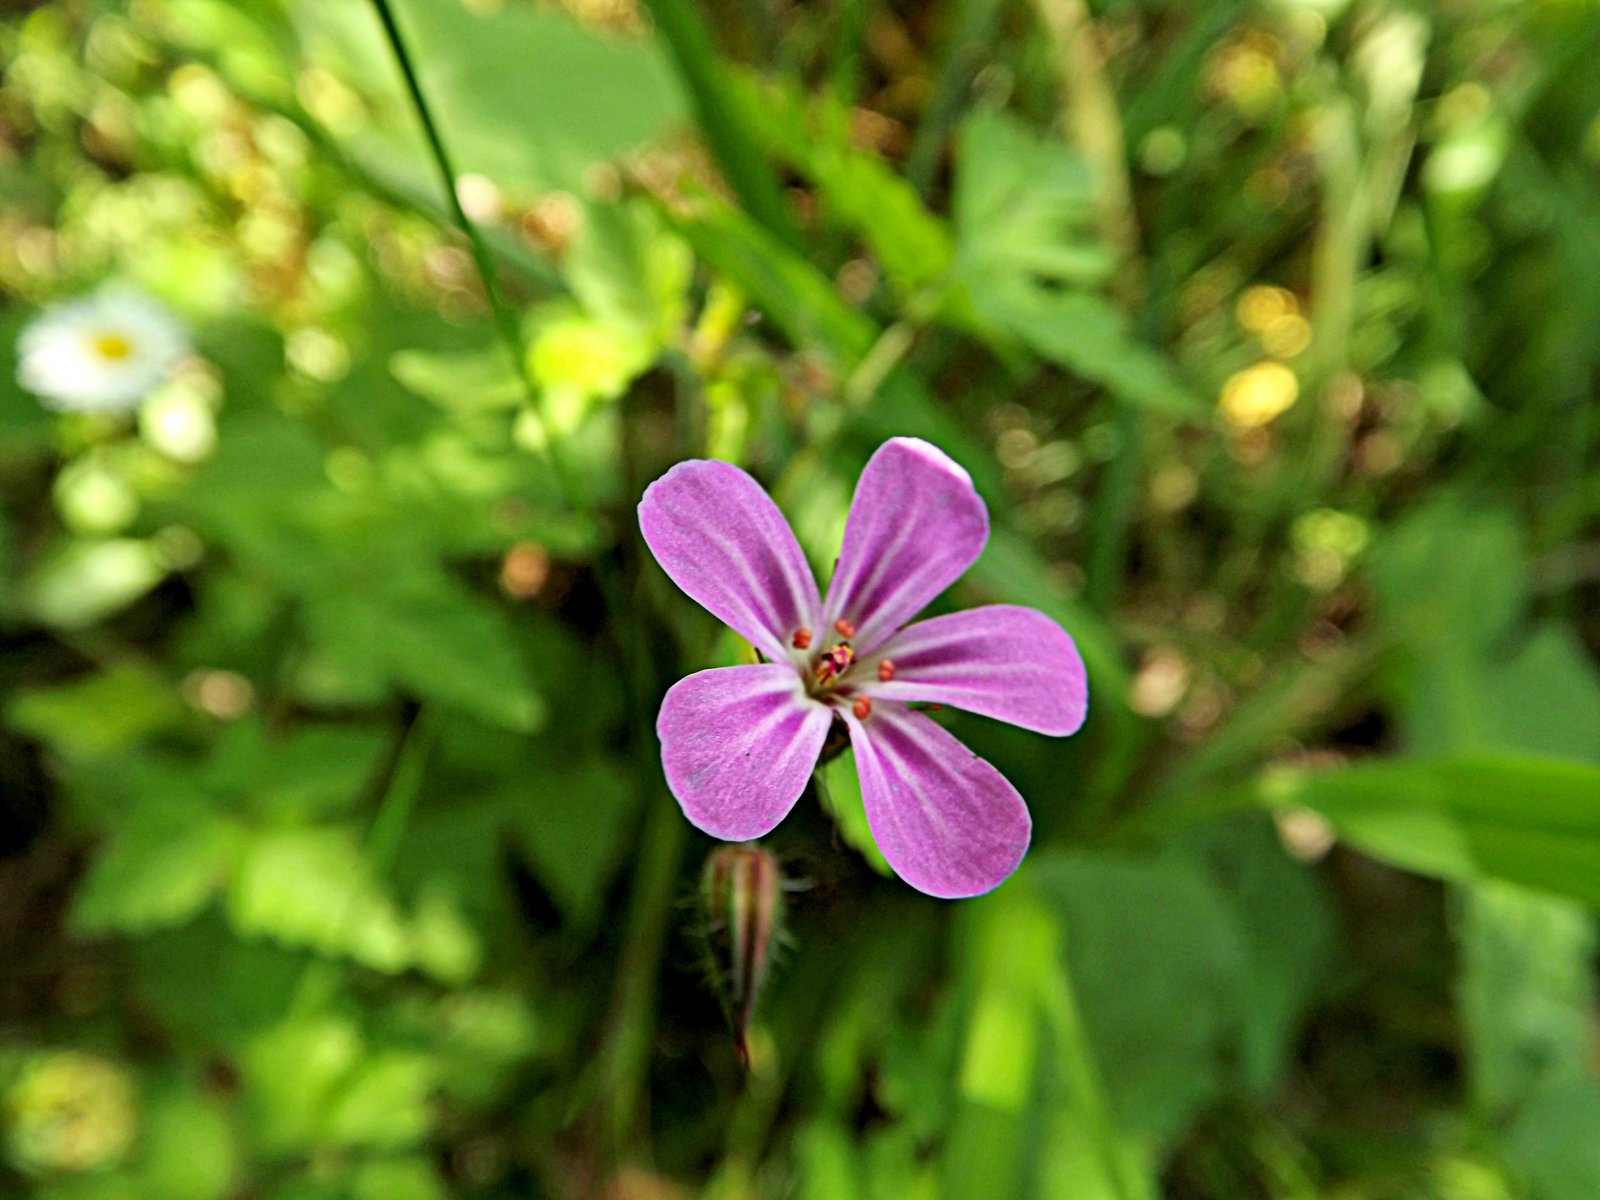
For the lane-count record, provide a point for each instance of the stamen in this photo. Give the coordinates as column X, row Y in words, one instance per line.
column 885, row 671
column 834, row 664
column 862, row 708
column 802, row 639
column 846, row 630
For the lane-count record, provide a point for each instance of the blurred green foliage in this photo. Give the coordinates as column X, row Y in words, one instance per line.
column 336, row 861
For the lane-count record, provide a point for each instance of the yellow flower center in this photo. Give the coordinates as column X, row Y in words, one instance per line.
column 113, row 347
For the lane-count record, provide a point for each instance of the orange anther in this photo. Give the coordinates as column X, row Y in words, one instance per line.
column 885, row 671
column 861, row 708
column 802, row 639
column 846, row 630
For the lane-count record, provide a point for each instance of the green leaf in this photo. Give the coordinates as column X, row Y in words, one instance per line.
column 592, row 97
column 81, row 582
column 1546, row 699
column 1527, row 992
column 187, row 1150
column 208, row 989
column 315, row 1082
column 429, row 635
column 1524, row 820
column 573, row 822
column 859, row 190
column 1085, row 334
column 1555, row 1143
column 1024, row 209
column 313, row 888
column 460, row 380
column 628, row 270
column 99, row 714
column 397, row 1179
column 158, row 869
column 1159, row 921
column 1286, row 928
column 1028, row 264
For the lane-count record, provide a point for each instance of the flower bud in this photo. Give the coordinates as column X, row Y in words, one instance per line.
column 741, row 891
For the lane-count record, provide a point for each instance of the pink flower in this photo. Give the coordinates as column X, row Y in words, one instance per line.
column 739, row 743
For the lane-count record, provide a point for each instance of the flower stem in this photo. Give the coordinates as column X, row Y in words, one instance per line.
column 505, row 319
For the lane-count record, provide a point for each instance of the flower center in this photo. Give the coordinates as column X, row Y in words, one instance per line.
column 113, row 347
column 834, row 663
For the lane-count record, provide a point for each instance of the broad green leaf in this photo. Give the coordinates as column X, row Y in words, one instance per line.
column 187, row 1148
column 573, row 821
column 313, row 888
column 99, row 714
column 460, row 380
column 629, row 271
column 1028, row 264
column 82, row 582
column 317, row 1081
column 1159, row 921
column 208, row 989
column 1525, row 820
column 397, row 1179
column 1024, row 209
column 1085, row 334
column 1028, row 1052
column 1546, row 698
column 826, row 1163
column 159, row 868
column 594, row 96
column 858, row 189
column 578, row 362
column 309, row 772
column 1555, row 1143
column 1286, row 927
column 430, row 636
column 1528, row 992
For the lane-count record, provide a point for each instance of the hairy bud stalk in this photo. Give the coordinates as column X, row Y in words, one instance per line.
column 741, row 892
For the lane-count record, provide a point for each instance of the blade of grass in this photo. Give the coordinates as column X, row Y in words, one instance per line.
column 975, row 33
column 718, row 108
column 505, row 319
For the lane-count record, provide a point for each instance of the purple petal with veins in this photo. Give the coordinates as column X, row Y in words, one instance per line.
column 1013, row 664
column 721, row 539
column 738, row 745
column 916, row 524
column 948, row 822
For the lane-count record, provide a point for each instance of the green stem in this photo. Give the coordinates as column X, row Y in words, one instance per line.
column 505, row 319
column 1114, row 505
column 626, row 1054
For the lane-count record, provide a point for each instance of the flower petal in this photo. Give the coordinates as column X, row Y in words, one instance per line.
column 1013, row 664
column 723, row 541
column 737, row 746
column 948, row 822
column 915, row 525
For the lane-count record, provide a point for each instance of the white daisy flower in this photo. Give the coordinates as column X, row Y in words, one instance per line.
column 100, row 353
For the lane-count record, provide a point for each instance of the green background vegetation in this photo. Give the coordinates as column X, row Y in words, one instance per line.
column 335, row 859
